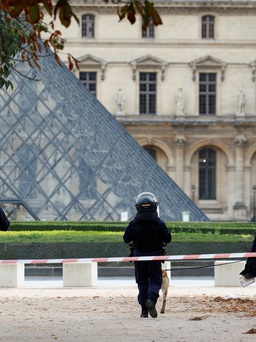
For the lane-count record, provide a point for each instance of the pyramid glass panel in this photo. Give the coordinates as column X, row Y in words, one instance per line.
column 65, row 157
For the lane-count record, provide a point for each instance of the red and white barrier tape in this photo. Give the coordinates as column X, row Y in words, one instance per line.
column 141, row 258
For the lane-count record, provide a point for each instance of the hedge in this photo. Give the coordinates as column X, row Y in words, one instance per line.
column 175, row 227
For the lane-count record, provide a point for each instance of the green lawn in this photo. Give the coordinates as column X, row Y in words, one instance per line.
column 96, row 236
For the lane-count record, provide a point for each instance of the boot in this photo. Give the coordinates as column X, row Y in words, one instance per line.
column 151, row 308
column 144, row 311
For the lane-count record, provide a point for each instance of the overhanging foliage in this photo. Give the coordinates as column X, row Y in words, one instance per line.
column 16, row 36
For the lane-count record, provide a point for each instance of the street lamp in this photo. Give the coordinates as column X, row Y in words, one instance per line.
column 254, row 203
column 193, row 189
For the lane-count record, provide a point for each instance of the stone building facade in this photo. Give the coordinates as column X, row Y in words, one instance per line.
column 185, row 90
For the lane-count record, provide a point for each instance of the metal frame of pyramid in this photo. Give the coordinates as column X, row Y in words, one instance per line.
column 65, row 157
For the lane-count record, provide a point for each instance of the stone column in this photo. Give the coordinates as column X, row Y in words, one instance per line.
column 180, row 142
column 240, row 210
column 187, row 181
column 247, row 187
column 231, row 176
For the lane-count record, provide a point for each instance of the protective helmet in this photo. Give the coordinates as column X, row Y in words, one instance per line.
column 146, row 201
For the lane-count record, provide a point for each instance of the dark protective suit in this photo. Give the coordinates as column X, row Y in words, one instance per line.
column 250, row 266
column 148, row 233
column 4, row 222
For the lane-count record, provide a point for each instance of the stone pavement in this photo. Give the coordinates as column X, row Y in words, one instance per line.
column 182, row 286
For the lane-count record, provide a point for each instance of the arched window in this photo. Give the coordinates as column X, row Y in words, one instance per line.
column 207, row 174
column 158, row 155
column 88, row 25
column 208, row 27
column 151, row 151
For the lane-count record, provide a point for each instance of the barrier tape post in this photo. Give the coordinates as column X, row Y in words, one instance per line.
column 141, row 258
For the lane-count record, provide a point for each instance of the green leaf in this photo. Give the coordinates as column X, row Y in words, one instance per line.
column 155, row 15
column 146, row 16
column 6, row 71
column 131, row 14
column 139, row 8
column 2, row 82
column 34, row 14
column 16, row 11
column 65, row 15
column 122, row 13
column 56, row 9
column 48, row 6
column 75, row 17
column 8, row 84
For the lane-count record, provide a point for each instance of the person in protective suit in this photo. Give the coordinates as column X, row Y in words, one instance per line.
column 4, row 222
column 148, row 233
column 249, row 272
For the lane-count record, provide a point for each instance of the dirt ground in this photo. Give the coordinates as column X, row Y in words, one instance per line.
column 111, row 314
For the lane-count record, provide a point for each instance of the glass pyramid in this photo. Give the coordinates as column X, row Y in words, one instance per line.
column 65, row 157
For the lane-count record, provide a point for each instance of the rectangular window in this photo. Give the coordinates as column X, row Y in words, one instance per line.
column 207, row 93
column 149, row 32
column 89, row 79
column 148, row 93
column 88, row 26
column 207, row 27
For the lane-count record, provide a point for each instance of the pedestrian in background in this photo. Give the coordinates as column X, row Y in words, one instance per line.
column 4, row 222
column 249, row 272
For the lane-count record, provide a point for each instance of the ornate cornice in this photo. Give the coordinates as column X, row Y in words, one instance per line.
column 229, row 7
column 208, row 62
column 92, row 61
column 148, row 61
column 180, row 141
column 240, row 140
